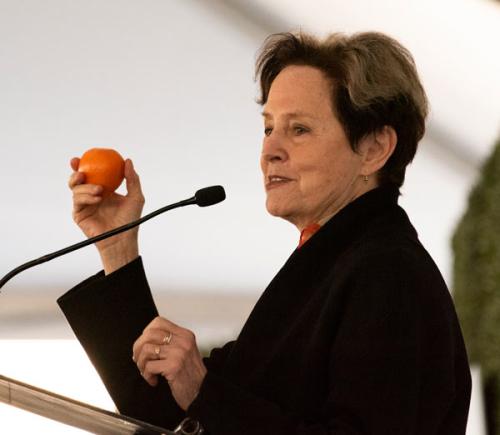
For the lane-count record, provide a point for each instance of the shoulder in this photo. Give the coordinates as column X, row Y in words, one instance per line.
column 389, row 262
column 389, row 240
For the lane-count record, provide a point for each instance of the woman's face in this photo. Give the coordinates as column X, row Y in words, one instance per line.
column 310, row 171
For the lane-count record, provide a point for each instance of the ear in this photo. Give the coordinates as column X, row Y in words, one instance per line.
column 376, row 148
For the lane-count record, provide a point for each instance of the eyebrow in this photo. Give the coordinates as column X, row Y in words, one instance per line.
column 297, row 114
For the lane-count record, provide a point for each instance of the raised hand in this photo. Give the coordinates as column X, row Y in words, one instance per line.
column 95, row 213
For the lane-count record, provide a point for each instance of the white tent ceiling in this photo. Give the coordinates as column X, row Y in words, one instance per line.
column 170, row 85
column 456, row 45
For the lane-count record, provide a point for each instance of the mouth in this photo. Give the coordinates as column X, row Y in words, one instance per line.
column 273, row 181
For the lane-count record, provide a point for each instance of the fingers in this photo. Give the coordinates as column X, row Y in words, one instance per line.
column 149, row 352
column 132, row 179
column 177, row 360
column 152, row 356
column 167, row 325
column 87, row 189
column 153, row 336
column 157, row 352
column 133, row 182
column 155, row 332
column 75, row 179
column 85, row 194
column 159, row 329
column 168, row 366
column 74, row 163
column 162, row 340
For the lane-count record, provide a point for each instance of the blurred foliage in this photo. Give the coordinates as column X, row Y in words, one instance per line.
column 476, row 287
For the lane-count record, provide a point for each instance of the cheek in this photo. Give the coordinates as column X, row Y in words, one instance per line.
column 317, row 171
column 262, row 164
column 328, row 174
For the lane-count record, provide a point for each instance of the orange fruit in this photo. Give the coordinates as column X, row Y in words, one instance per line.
column 103, row 166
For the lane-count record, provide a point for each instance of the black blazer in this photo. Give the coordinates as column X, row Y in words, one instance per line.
column 356, row 334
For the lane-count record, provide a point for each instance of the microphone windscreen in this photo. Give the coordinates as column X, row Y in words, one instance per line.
column 210, row 196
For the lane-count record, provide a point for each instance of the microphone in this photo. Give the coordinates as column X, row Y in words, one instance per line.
column 210, row 196
column 203, row 198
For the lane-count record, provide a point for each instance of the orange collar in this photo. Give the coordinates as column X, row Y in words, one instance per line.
column 308, row 232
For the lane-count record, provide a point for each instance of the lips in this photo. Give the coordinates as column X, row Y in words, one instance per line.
column 273, row 181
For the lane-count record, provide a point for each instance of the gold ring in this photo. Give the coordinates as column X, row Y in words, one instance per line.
column 168, row 338
column 157, row 351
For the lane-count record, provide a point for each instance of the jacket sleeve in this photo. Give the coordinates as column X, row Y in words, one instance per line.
column 107, row 314
column 377, row 376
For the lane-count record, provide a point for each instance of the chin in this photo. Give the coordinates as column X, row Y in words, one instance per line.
column 278, row 210
column 273, row 211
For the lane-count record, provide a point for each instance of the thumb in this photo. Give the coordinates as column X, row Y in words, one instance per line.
column 132, row 180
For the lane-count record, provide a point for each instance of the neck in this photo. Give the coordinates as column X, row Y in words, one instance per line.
column 327, row 214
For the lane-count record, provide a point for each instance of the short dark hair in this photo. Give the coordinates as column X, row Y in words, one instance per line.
column 375, row 83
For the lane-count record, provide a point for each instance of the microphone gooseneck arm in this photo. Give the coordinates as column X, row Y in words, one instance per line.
column 203, row 197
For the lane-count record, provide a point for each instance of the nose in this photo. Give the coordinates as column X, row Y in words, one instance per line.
column 273, row 148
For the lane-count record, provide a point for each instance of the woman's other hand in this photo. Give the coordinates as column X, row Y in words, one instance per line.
column 95, row 214
column 165, row 349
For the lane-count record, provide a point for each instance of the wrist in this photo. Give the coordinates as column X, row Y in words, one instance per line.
column 118, row 255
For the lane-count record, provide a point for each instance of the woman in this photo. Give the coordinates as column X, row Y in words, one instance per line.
column 357, row 333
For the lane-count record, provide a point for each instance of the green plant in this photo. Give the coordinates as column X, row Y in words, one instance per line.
column 476, row 287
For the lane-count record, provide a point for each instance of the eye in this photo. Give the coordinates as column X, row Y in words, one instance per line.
column 267, row 131
column 300, row 129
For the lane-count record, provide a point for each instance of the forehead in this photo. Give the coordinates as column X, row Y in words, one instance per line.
column 299, row 89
